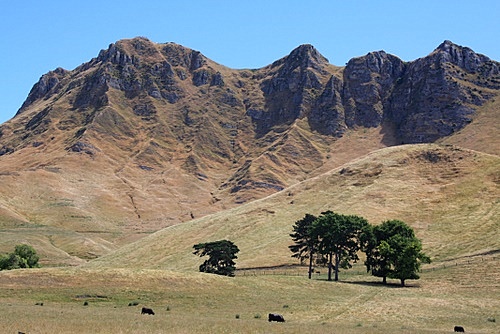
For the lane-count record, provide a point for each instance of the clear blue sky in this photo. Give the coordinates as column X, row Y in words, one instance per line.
column 39, row 36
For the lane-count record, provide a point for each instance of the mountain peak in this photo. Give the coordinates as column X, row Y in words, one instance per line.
column 128, row 50
column 157, row 134
column 306, row 55
column 446, row 46
column 307, row 51
column 461, row 56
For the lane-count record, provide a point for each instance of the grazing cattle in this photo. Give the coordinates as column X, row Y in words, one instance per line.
column 276, row 317
column 146, row 310
column 459, row 329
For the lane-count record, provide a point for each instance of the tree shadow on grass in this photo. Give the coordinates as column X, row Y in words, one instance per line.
column 389, row 285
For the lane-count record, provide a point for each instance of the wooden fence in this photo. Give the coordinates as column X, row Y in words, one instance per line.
column 359, row 269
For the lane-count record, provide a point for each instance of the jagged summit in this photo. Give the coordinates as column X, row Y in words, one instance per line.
column 141, row 49
column 303, row 56
column 300, row 85
column 446, row 45
column 46, row 86
column 379, row 62
column 371, row 89
column 461, row 56
column 307, row 55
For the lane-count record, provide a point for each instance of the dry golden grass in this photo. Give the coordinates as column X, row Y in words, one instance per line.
column 150, row 175
column 195, row 302
column 451, row 203
column 479, row 135
column 448, row 195
column 118, row 202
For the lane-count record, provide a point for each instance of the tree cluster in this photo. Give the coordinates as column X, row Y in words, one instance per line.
column 24, row 256
column 392, row 249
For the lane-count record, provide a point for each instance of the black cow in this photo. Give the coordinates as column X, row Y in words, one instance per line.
column 276, row 317
column 146, row 310
column 459, row 329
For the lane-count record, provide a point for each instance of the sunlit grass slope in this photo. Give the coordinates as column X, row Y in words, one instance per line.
column 204, row 303
column 449, row 195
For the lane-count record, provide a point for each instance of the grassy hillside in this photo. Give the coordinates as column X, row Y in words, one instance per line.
column 447, row 194
column 97, row 204
column 119, row 182
column 147, row 136
column 482, row 133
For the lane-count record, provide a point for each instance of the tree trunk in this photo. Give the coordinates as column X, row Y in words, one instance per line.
column 337, row 260
column 310, row 265
column 330, row 266
column 402, row 282
column 384, row 280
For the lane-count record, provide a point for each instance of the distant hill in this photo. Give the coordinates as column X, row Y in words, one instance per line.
column 147, row 136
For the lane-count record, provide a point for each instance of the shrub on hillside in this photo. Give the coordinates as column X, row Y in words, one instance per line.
column 24, row 256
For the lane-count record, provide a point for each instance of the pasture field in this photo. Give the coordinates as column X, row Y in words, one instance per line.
column 465, row 293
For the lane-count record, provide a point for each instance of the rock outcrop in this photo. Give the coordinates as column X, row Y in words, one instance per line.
column 426, row 99
column 289, row 88
column 435, row 98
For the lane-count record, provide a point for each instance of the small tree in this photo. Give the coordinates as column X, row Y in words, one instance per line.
column 407, row 257
column 392, row 250
column 305, row 244
column 338, row 237
column 371, row 238
column 24, row 256
column 220, row 257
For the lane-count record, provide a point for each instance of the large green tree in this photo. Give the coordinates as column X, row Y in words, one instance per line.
column 220, row 257
column 24, row 256
column 305, row 244
column 393, row 251
column 338, row 237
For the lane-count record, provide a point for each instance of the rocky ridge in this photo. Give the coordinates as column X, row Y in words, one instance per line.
column 426, row 99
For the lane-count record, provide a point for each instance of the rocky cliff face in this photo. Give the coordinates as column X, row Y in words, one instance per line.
column 290, row 88
column 438, row 94
column 427, row 99
column 368, row 86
